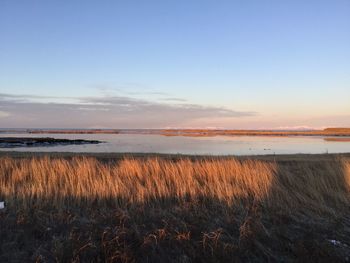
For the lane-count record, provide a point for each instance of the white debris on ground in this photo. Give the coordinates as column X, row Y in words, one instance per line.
column 340, row 245
column 2, row 205
column 337, row 243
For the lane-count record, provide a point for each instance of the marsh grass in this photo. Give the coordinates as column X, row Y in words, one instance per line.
column 82, row 209
column 26, row 182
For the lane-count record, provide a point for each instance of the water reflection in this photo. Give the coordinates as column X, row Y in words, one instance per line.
column 218, row 145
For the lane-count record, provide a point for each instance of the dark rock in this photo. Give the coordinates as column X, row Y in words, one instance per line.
column 11, row 142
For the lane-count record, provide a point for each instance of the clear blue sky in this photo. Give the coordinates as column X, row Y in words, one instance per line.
column 230, row 64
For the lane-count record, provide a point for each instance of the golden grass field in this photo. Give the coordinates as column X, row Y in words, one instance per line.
column 154, row 209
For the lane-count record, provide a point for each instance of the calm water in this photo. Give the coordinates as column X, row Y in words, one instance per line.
column 219, row 145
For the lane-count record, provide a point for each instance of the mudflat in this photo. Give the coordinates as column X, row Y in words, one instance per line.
column 10, row 142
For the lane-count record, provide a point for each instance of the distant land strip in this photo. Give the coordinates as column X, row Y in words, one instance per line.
column 199, row 132
column 331, row 132
column 339, row 139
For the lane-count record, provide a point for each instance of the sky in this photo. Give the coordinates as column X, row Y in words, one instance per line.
column 252, row 64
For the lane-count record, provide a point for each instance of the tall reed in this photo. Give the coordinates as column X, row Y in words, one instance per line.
column 60, row 182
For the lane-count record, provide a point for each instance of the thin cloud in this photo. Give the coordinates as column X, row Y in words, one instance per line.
column 21, row 98
column 128, row 89
column 4, row 114
column 173, row 99
column 115, row 111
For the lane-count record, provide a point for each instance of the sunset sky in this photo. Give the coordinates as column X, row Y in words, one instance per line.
column 190, row 64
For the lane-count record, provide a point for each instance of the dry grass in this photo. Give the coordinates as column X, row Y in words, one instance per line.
column 130, row 180
column 152, row 209
column 82, row 179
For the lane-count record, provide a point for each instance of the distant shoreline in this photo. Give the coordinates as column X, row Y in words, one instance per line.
column 328, row 132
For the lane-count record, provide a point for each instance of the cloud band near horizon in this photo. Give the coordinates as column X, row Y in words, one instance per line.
column 33, row 111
